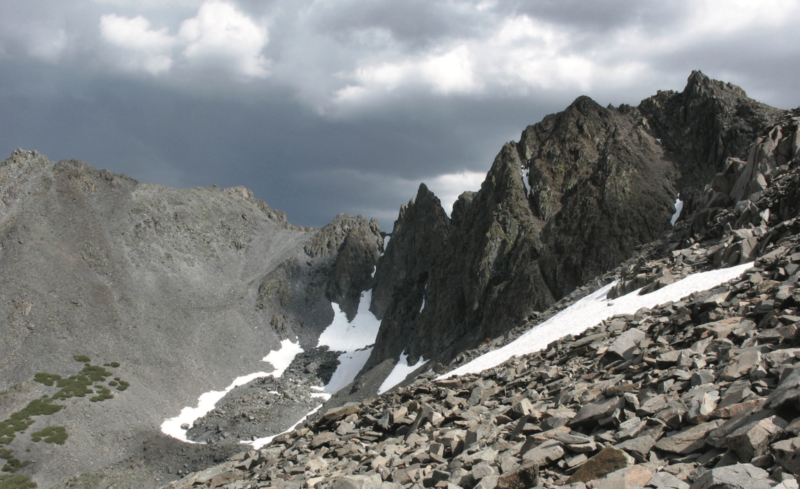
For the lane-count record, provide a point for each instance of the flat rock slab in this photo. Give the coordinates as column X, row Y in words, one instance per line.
column 598, row 410
column 740, row 476
column 609, row 460
column 633, row 477
column 665, row 480
column 638, row 447
column 626, row 343
column 689, row 440
column 787, row 454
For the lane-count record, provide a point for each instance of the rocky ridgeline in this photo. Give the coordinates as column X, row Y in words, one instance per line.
column 700, row 393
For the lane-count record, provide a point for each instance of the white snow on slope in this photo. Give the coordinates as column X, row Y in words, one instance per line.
column 678, row 209
column 592, row 309
column 385, row 244
column 279, row 359
column 400, row 372
column 352, row 338
column 260, row 442
column 350, row 363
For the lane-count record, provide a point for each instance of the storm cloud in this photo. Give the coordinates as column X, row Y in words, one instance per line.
column 323, row 107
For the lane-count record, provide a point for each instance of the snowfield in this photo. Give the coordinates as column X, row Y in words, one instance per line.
column 400, row 372
column 280, row 360
column 592, row 309
column 354, row 338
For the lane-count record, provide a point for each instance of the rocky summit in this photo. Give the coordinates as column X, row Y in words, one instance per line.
column 554, row 330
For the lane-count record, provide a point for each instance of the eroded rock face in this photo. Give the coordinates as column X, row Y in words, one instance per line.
column 354, row 244
column 455, row 282
column 602, row 183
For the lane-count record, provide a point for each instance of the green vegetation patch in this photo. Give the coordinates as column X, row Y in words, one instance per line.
column 14, row 464
column 16, row 482
column 88, row 381
column 79, row 385
column 51, row 434
column 103, row 395
column 46, row 379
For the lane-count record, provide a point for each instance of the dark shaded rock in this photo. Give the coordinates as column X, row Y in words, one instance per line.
column 609, row 460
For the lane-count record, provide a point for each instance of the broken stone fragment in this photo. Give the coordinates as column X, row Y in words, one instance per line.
column 633, row 477
column 752, row 439
column 358, row 482
column 665, row 480
column 624, row 346
column 787, row 392
column 787, row 454
column 639, row 447
column 609, row 460
column 689, row 440
column 701, row 408
column 740, row 476
column 545, row 454
column 525, row 476
column 597, row 410
column 742, row 364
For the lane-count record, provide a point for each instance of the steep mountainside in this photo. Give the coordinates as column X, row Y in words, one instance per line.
column 602, row 181
column 185, row 289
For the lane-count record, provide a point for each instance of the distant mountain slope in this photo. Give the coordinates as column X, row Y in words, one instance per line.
column 185, row 289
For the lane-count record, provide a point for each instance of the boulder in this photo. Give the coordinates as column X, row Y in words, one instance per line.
column 740, row 476
column 610, row 459
column 625, row 344
column 752, row 439
column 787, row 454
column 689, row 440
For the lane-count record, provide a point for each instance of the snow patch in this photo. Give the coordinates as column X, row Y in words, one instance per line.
column 351, row 336
column 385, row 244
column 280, row 360
column 525, row 182
column 260, row 442
column 350, row 364
column 354, row 338
column 592, row 309
column 400, row 371
column 678, row 209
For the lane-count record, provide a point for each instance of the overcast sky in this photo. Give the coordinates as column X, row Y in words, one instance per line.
column 323, row 106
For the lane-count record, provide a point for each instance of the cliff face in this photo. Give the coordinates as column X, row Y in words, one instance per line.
column 603, row 181
column 458, row 281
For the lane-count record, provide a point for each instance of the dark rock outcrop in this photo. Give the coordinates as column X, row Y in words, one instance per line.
column 455, row 282
column 602, row 183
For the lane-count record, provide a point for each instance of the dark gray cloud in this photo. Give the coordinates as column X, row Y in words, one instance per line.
column 323, row 107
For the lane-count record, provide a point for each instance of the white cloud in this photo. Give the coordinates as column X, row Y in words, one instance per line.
column 146, row 48
column 221, row 34
column 450, row 185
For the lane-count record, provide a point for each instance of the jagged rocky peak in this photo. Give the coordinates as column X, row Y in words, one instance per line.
column 421, row 230
column 354, row 244
column 603, row 182
column 446, row 284
column 704, row 125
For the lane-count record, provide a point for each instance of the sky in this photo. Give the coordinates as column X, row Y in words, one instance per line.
column 323, row 107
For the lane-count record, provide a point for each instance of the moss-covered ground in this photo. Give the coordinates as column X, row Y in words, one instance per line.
column 92, row 379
